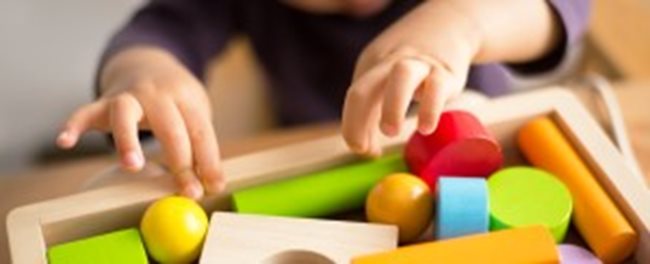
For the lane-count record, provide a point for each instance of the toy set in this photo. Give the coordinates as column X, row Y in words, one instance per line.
column 490, row 185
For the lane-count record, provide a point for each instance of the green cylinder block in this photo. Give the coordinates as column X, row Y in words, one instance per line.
column 318, row 194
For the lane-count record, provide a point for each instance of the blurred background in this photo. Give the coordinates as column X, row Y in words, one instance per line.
column 47, row 59
column 49, row 51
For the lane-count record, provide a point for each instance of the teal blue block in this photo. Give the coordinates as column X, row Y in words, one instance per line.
column 462, row 207
column 124, row 247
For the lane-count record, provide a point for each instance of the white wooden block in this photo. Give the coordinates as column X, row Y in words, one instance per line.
column 239, row 238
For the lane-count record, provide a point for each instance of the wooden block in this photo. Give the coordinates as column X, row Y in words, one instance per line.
column 403, row 200
column 237, row 238
column 601, row 224
column 529, row 245
column 462, row 207
column 32, row 227
column 123, row 246
column 318, row 194
column 461, row 145
column 523, row 196
column 572, row 254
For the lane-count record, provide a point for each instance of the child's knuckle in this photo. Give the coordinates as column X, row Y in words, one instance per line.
column 143, row 85
column 403, row 67
column 198, row 133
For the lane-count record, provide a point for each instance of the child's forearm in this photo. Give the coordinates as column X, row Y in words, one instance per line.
column 508, row 30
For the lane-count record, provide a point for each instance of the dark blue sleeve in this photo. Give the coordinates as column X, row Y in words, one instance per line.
column 192, row 30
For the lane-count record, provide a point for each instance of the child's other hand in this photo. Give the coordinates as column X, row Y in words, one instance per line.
column 147, row 88
column 425, row 57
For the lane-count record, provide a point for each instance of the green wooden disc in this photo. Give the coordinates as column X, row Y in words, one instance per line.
column 524, row 196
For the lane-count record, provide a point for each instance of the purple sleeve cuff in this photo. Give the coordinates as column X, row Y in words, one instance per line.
column 496, row 79
column 574, row 17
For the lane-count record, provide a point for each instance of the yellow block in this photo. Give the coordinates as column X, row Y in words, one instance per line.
column 601, row 224
column 532, row 245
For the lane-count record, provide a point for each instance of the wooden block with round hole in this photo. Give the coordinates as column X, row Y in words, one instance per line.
column 239, row 238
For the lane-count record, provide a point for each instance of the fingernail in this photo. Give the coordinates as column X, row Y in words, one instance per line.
column 357, row 148
column 214, row 185
column 133, row 160
column 375, row 152
column 193, row 191
column 63, row 135
column 389, row 129
column 354, row 145
column 221, row 186
column 425, row 129
column 62, row 139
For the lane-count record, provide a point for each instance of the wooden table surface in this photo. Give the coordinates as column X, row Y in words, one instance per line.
column 62, row 179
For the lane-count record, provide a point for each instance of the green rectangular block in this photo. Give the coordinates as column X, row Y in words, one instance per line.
column 124, row 246
column 318, row 194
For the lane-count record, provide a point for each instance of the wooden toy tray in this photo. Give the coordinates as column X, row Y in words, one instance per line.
column 34, row 227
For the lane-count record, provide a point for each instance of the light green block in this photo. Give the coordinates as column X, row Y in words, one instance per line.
column 318, row 194
column 124, row 247
column 524, row 196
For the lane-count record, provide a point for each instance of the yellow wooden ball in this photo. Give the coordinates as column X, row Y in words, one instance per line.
column 403, row 200
column 173, row 229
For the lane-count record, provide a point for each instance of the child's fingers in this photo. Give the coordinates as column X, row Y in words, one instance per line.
column 361, row 110
column 374, row 149
column 126, row 112
column 432, row 100
column 204, row 146
column 169, row 128
column 84, row 118
column 405, row 77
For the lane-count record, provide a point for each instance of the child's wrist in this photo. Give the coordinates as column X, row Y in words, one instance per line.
column 467, row 29
column 130, row 61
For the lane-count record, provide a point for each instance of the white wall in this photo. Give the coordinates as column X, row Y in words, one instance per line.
column 48, row 53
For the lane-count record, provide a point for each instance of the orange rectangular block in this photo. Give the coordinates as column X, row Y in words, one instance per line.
column 533, row 245
column 595, row 215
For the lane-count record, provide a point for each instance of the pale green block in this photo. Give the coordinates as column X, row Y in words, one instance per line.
column 124, row 247
column 321, row 193
column 525, row 196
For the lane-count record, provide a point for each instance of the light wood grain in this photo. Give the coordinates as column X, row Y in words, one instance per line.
column 234, row 238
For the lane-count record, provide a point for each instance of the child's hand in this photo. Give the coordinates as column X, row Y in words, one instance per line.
column 147, row 88
column 425, row 56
